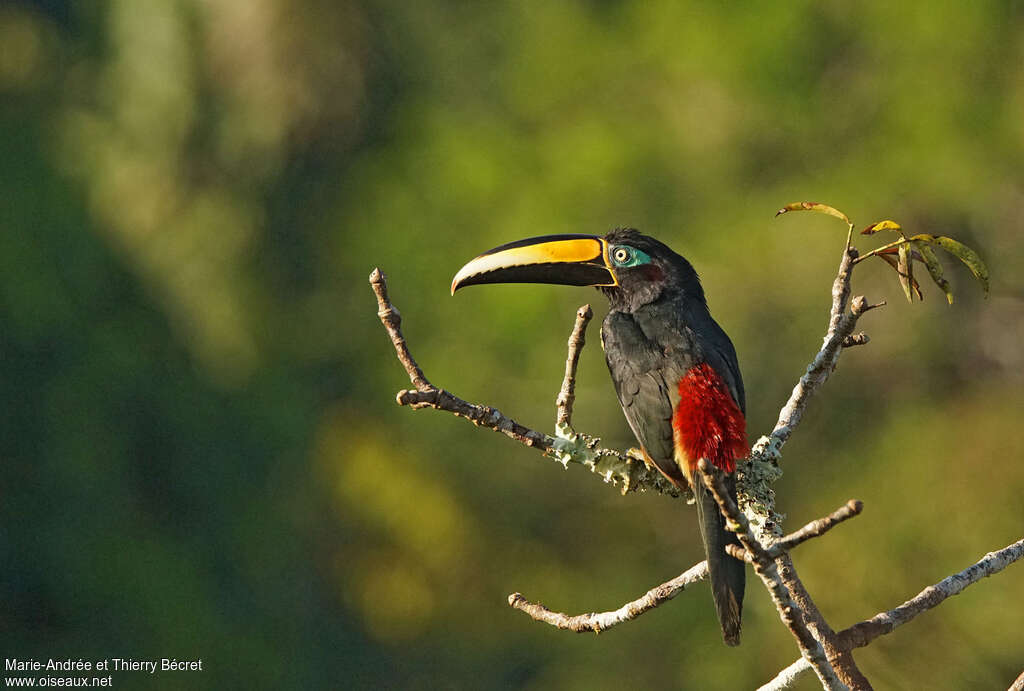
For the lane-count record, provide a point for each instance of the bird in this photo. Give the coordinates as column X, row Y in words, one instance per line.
column 674, row 368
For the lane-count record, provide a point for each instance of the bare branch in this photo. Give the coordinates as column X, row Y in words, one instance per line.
column 632, row 475
column 601, row 621
column 796, row 608
column 577, row 339
column 787, row 677
column 392, row 320
column 840, row 326
column 569, row 446
column 840, row 659
column 862, row 633
column 758, row 473
column 1017, row 685
column 483, row 416
column 815, row 528
column 823, row 650
column 859, row 635
column 764, row 566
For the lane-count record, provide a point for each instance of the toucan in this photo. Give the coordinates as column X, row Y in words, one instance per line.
column 674, row 368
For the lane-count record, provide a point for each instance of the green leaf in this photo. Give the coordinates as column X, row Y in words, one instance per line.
column 961, row 252
column 814, row 206
column 882, row 225
column 931, row 261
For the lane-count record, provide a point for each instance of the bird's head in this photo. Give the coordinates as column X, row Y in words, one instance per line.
column 630, row 268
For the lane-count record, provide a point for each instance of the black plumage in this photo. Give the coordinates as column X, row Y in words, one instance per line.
column 658, row 329
column 674, row 368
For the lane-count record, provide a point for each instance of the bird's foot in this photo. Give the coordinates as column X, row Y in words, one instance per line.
column 639, row 455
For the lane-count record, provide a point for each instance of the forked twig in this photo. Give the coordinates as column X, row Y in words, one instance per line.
column 602, row 621
column 767, row 570
column 862, row 633
column 630, row 474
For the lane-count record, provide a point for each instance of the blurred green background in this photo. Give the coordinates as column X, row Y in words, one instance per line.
column 201, row 452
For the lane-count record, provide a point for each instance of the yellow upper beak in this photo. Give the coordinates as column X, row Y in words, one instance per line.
column 578, row 260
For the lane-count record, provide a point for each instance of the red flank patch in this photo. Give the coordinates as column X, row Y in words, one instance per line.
column 707, row 422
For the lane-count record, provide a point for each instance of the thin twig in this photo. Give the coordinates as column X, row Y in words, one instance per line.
column 757, row 474
column 815, row 528
column 766, row 569
column 481, row 415
column 862, row 633
column 859, row 635
column 392, row 320
column 577, row 339
column 1017, row 685
column 884, row 249
column 602, row 621
column 841, row 324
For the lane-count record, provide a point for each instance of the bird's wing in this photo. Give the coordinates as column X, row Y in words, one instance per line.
column 723, row 360
column 646, row 383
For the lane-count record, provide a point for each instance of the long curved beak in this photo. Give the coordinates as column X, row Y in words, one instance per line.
column 574, row 260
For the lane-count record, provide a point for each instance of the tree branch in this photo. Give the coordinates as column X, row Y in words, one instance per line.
column 601, row 621
column 631, row 474
column 757, row 474
column 757, row 526
column 840, row 326
column 391, row 318
column 859, row 635
column 862, row 633
column 761, row 470
column 764, row 566
column 840, row 658
column 569, row 446
column 815, row 528
column 567, row 394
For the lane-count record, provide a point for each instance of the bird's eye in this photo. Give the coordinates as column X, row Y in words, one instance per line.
column 621, row 255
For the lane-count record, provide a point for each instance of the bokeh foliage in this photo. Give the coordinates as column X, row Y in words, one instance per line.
column 201, row 452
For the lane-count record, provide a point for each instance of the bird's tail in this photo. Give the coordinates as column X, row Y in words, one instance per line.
column 726, row 573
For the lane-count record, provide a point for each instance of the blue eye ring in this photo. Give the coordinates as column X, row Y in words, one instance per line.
column 624, row 256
